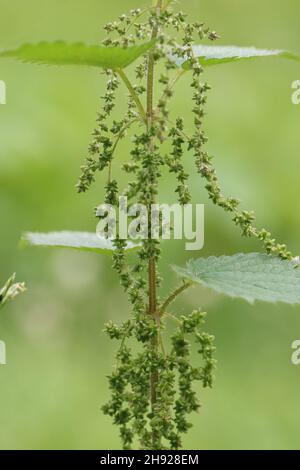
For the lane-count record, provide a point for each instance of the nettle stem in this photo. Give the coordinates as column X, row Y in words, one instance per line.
column 154, row 378
column 173, row 296
column 133, row 94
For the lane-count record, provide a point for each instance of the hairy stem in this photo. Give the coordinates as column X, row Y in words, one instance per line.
column 173, row 296
column 133, row 94
column 152, row 264
column 172, row 317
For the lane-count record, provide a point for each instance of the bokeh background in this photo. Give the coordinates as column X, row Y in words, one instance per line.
column 54, row 383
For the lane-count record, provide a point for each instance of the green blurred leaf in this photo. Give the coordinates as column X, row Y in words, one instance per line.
column 61, row 53
column 215, row 55
column 250, row 276
column 10, row 290
column 83, row 241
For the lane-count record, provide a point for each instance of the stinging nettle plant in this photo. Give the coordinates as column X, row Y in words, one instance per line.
column 152, row 390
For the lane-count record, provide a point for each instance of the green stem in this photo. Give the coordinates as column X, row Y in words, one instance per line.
column 172, row 317
column 173, row 82
column 133, row 94
column 161, row 343
column 120, row 135
column 173, row 296
column 152, row 263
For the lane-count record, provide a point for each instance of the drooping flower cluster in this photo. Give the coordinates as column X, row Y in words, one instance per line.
column 175, row 398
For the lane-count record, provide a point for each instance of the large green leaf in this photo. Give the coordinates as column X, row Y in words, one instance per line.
column 10, row 290
column 84, row 241
column 215, row 55
column 61, row 53
column 251, row 276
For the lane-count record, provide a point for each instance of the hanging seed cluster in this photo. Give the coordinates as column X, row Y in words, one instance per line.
column 157, row 423
column 129, row 383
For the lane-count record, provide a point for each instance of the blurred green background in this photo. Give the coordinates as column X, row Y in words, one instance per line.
column 54, row 383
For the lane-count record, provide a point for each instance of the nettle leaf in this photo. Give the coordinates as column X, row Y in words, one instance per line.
column 215, row 55
column 250, row 276
column 61, row 53
column 83, row 241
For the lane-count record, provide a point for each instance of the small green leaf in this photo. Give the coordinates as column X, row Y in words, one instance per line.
column 10, row 290
column 83, row 241
column 250, row 276
column 61, row 53
column 215, row 55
